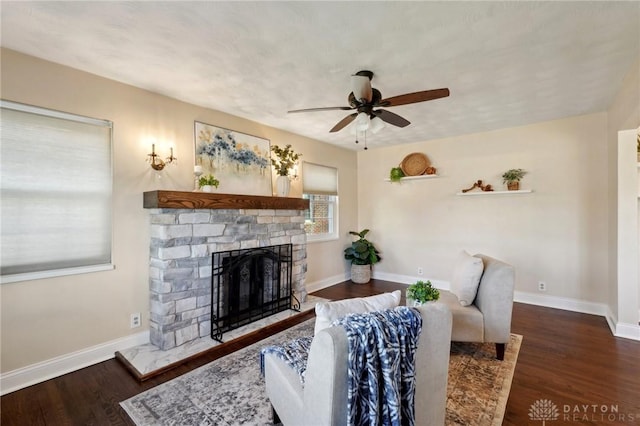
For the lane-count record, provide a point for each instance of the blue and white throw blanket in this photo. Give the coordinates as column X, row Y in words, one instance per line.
column 381, row 382
column 295, row 353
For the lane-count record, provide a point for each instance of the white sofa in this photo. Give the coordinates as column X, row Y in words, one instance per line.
column 323, row 399
column 488, row 318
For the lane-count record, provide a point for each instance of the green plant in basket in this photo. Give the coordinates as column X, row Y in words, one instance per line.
column 513, row 175
column 423, row 292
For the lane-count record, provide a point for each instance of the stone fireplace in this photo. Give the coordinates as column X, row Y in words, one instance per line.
column 187, row 228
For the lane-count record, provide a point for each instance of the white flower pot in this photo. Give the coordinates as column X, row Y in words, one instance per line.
column 360, row 274
column 207, row 188
column 283, row 186
column 414, row 303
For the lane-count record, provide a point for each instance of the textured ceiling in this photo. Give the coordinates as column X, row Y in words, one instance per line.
column 506, row 63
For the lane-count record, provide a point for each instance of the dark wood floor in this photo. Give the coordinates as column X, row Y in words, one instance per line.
column 568, row 358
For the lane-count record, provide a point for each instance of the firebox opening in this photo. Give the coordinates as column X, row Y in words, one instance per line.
column 250, row 284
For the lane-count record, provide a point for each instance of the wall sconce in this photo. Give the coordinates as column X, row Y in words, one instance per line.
column 156, row 162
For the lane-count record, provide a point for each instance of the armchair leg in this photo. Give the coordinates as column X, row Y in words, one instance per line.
column 276, row 418
column 500, row 351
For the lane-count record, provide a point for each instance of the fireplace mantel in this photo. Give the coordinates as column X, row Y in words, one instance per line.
column 162, row 199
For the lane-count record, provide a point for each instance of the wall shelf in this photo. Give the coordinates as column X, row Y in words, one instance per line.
column 415, row 177
column 520, row 191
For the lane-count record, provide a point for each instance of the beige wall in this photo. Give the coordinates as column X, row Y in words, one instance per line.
column 47, row 318
column 557, row 234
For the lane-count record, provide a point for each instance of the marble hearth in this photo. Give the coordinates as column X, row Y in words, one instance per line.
column 186, row 228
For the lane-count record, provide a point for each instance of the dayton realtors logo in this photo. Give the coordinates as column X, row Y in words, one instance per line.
column 545, row 410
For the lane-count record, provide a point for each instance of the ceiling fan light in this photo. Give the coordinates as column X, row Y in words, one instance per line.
column 376, row 124
column 362, row 121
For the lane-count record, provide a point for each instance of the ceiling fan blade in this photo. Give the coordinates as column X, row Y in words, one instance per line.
column 342, row 108
column 391, row 118
column 344, row 122
column 412, row 98
column 361, row 88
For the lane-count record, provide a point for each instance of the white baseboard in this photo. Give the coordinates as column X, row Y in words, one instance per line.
column 622, row 329
column 408, row 279
column 58, row 366
column 627, row 331
column 327, row 282
column 611, row 321
column 565, row 303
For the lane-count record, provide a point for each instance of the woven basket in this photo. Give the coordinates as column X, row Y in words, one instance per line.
column 414, row 164
column 513, row 186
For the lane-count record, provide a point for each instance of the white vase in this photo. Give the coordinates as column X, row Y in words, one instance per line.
column 207, row 188
column 283, row 186
column 412, row 303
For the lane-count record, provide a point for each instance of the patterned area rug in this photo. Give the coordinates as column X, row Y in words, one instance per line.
column 230, row 390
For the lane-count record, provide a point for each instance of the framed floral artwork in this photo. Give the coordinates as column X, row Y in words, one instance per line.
column 239, row 161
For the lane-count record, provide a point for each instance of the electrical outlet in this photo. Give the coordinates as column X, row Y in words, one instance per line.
column 136, row 320
column 420, row 271
column 542, row 286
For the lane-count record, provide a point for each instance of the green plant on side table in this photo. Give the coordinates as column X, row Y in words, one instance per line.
column 512, row 178
column 421, row 292
column 206, row 183
column 362, row 254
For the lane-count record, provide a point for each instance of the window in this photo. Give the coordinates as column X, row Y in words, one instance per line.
column 320, row 187
column 55, row 185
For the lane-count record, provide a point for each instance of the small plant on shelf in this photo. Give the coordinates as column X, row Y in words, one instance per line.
column 396, row 174
column 208, row 181
column 512, row 178
column 422, row 292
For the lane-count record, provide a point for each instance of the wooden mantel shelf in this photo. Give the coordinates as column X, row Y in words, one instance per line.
column 212, row 200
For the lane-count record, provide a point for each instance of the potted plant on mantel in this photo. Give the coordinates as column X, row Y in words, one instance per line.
column 362, row 255
column 207, row 183
column 421, row 292
column 512, row 178
column 286, row 159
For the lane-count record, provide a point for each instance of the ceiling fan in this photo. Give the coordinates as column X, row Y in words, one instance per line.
column 364, row 99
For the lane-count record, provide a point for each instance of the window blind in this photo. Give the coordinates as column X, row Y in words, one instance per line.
column 319, row 180
column 55, row 184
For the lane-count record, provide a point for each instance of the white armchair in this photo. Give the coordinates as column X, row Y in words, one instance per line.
column 323, row 398
column 488, row 317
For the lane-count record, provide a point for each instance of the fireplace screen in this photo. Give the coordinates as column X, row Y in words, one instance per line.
column 250, row 284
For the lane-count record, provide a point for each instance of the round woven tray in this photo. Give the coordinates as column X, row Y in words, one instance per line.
column 414, row 164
